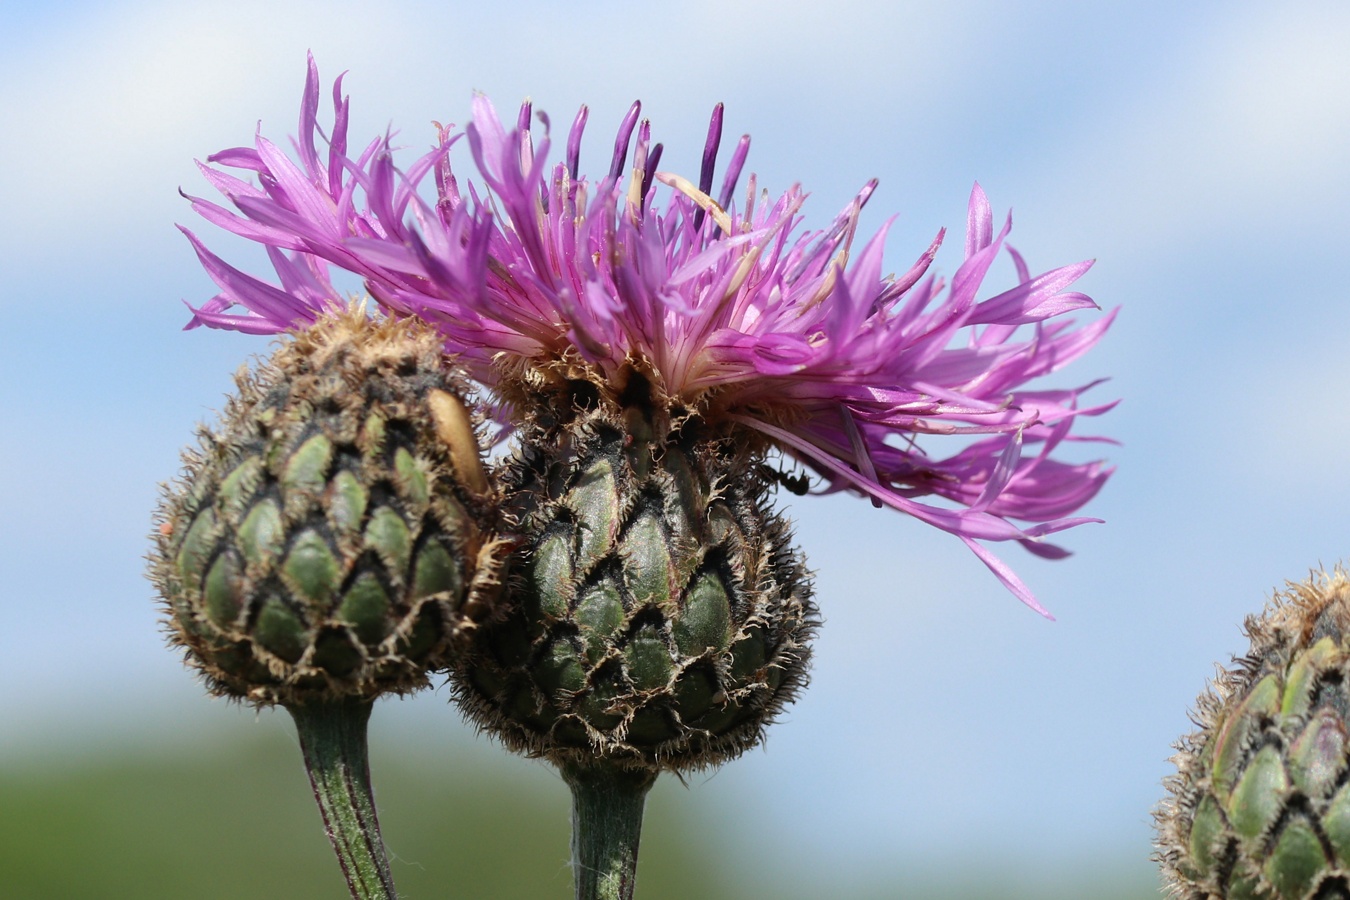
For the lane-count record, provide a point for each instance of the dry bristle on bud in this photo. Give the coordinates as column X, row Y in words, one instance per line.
column 332, row 536
column 1260, row 804
column 658, row 615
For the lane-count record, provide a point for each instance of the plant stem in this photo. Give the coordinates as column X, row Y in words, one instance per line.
column 333, row 740
column 607, row 805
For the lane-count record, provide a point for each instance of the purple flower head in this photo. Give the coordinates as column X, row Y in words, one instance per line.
column 788, row 337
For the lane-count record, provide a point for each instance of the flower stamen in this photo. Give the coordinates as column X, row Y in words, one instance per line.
column 702, row 200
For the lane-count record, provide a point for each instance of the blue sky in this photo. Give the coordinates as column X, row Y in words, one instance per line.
column 1198, row 155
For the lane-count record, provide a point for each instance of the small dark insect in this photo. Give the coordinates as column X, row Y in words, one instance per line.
column 795, row 484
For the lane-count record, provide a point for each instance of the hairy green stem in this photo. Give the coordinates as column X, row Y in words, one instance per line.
column 607, row 805
column 333, row 740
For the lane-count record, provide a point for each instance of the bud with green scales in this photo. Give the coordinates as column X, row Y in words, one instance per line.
column 332, row 540
column 1260, row 805
column 660, row 616
column 657, row 616
column 332, row 536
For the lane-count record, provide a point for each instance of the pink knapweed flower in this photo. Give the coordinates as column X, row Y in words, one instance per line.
column 790, row 337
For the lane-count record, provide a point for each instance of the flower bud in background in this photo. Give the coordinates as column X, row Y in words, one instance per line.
column 1260, row 804
column 331, row 536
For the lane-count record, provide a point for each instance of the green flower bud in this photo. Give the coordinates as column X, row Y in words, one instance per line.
column 659, row 616
column 332, row 536
column 1260, row 805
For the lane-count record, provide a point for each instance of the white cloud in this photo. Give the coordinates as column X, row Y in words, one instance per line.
column 113, row 107
column 115, row 104
column 1249, row 130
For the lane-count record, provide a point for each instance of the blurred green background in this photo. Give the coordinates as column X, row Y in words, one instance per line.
column 223, row 810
